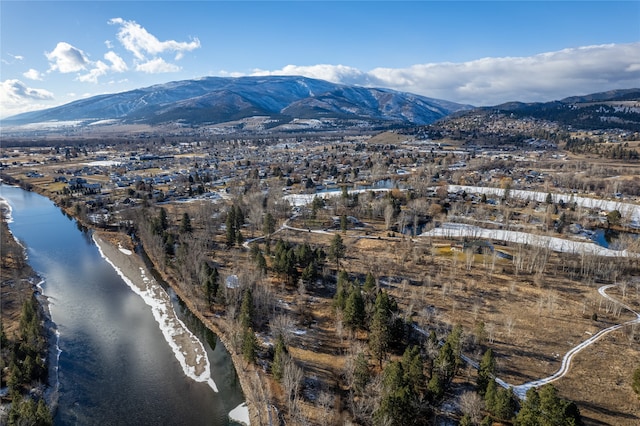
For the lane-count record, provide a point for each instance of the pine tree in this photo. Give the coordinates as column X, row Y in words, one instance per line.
column 230, row 225
column 530, row 410
column 412, row 366
column 445, row 363
column 280, row 356
column 505, row 404
column 268, row 225
column 379, row 331
column 344, row 224
column 185, row 224
column 246, row 310
column 635, row 384
column 396, row 406
column 354, row 313
column 261, row 262
column 337, row 249
column 369, row 282
column 361, row 373
column 249, row 345
column 486, row 371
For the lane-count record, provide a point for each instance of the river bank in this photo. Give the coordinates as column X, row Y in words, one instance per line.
column 119, row 252
column 122, row 254
column 19, row 282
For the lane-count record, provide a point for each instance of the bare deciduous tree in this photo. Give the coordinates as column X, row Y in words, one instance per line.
column 472, row 405
column 291, row 380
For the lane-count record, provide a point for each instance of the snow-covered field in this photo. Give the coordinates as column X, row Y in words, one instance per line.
column 297, row 200
column 457, row 230
column 628, row 211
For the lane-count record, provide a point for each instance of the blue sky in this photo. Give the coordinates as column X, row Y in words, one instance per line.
column 476, row 52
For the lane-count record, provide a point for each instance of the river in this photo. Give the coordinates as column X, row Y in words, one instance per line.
column 114, row 365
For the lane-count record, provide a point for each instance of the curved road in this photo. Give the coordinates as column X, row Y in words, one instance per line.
column 522, row 389
column 519, row 390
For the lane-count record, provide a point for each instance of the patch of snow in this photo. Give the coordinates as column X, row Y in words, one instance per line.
column 240, row 414
column 124, row 250
column 103, row 163
column 232, row 281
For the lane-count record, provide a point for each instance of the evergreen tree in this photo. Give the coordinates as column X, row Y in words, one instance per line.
column 268, row 225
column 635, row 384
column 445, row 363
column 379, row 331
column 486, row 371
column 344, row 223
column 261, row 262
column 490, row 396
column 162, row 222
column 337, row 249
column 412, row 366
column 43, row 414
column 280, row 356
column 544, row 407
column 210, row 279
column 246, row 310
column 361, row 373
column 354, row 313
column 396, row 406
column 309, row 273
column 185, row 224
column 466, row 421
column 455, row 339
column 529, row 410
column 505, row 404
column 230, row 225
column 369, row 282
column 249, row 345
column 435, row 388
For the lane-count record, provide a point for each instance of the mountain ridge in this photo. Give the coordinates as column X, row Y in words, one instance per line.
column 216, row 100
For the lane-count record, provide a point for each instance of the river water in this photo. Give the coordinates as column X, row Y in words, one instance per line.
column 114, row 365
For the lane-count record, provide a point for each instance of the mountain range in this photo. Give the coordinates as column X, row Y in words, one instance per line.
column 612, row 109
column 273, row 102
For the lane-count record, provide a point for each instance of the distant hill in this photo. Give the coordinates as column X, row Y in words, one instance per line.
column 281, row 103
column 612, row 109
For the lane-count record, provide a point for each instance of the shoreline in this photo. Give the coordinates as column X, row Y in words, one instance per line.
column 28, row 283
column 129, row 265
column 185, row 345
column 252, row 395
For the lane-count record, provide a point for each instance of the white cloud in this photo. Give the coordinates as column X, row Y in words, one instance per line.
column 542, row 77
column 66, row 58
column 17, row 97
column 32, row 74
column 99, row 69
column 14, row 58
column 157, row 65
column 141, row 43
column 491, row 81
column 117, row 63
column 334, row 73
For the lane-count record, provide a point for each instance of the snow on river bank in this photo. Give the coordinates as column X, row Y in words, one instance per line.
column 188, row 350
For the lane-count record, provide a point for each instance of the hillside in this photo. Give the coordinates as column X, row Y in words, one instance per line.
column 275, row 102
column 613, row 109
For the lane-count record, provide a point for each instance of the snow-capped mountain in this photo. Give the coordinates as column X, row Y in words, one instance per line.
column 280, row 100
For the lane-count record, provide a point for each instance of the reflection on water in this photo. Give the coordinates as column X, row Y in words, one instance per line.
column 115, row 367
